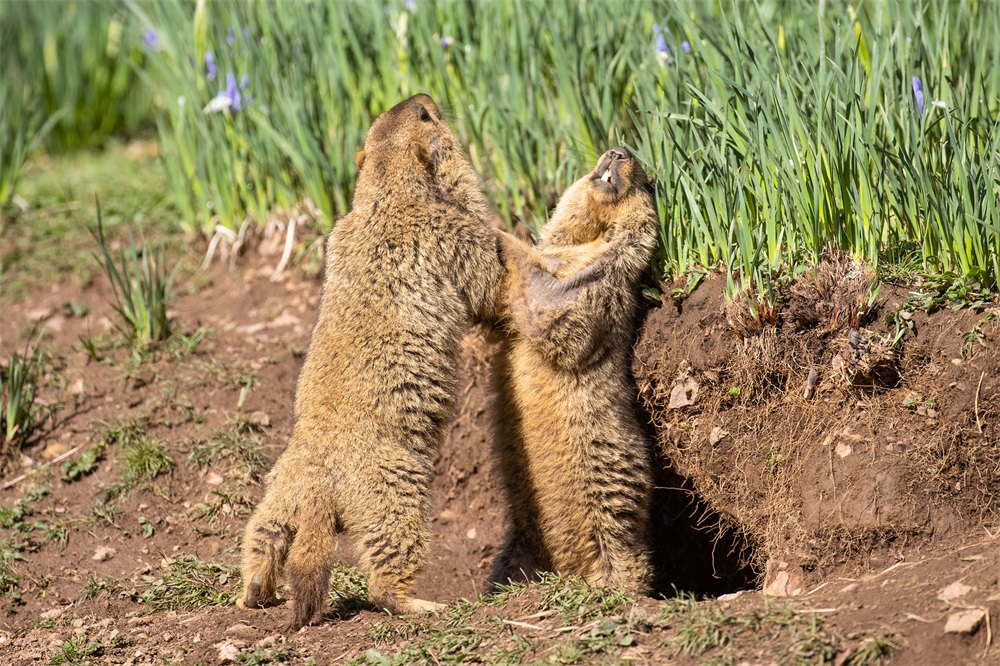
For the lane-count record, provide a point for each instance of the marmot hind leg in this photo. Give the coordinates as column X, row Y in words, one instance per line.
column 293, row 528
column 622, row 481
column 310, row 561
column 516, row 563
column 625, row 567
column 394, row 539
column 265, row 547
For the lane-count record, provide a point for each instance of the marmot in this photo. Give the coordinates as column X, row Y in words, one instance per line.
column 575, row 460
column 405, row 271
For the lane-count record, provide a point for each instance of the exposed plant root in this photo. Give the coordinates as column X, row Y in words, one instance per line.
column 286, row 253
column 223, row 236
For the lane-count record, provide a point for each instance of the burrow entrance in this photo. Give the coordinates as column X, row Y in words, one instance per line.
column 693, row 550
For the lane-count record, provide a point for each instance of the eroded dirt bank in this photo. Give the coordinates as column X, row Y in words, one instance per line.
column 827, row 447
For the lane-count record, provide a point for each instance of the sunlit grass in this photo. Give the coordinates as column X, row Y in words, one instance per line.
column 774, row 130
column 784, row 132
column 188, row 583
column 144, row 459
column 79, row 59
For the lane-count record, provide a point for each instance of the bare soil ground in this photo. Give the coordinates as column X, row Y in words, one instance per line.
column 866, row 510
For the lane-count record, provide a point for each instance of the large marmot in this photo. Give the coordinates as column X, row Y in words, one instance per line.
column 405, row 271
column 575, row 461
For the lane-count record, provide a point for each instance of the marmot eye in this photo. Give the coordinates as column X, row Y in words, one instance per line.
column 424, row 115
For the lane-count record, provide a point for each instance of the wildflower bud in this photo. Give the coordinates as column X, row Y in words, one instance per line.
column 918, row 93
column 211, row 71
column 151, row 39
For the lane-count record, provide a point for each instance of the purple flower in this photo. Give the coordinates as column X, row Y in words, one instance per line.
column 446, row 42
column 686, row 46
column 230, row 37
column 231, row 98
column 662, row 50
column 211, row 71
column 411, row 5
column 918, row 93
column 151, row 39
column 233, row 93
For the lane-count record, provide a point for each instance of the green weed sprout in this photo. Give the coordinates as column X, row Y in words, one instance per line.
column 17, row 390
column 141, row 287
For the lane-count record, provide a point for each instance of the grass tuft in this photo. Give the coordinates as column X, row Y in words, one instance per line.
column 18, row 386
column 141, row 287
column 577, row 600
column 236, row 443
column 229, row 499
column 144, row 459
column 873, row 651
column 348, row 587
column 93, row 587
column 190, row 584
column 10, row 579
column 117, row 433
column 262, row 655
column 706, row 628
column 76, row 652
column 15, row 521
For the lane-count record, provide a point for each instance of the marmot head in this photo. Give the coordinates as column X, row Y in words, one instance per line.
column 412, row 148
column 616, row 176
column 616, row 192
column 413, row 128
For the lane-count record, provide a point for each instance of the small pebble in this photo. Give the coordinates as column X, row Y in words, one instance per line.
column 103, row 554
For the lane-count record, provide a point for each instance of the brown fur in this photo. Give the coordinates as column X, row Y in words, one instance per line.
column 405, row 271
column 574, row 458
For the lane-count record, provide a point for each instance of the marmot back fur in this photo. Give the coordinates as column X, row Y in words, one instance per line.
column 575, row 460
column 405, row 271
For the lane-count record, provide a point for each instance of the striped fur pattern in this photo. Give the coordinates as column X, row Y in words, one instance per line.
column 574, row 459
column 406, row 270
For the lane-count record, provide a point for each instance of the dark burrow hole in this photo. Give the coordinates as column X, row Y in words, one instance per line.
column 690, row 553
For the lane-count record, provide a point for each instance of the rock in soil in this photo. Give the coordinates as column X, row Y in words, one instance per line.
column 954, row 591
column 784, row 584
column 964, row 622
column 229, row 650
column 103, row 554
column 683, row 394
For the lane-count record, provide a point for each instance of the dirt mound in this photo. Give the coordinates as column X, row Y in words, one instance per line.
column 812, row 436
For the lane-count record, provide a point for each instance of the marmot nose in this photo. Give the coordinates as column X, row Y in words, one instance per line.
column 619, row 153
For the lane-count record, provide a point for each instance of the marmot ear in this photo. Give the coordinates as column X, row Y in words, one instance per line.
column 359, row 159
column 423, row 154
column 650, row 185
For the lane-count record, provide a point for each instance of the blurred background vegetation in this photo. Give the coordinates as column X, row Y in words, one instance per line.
column 775, row 129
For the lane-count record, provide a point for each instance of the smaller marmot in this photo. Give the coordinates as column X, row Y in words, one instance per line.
column 406, row 270
column 575, row 460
